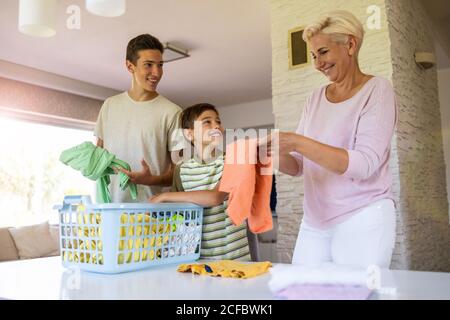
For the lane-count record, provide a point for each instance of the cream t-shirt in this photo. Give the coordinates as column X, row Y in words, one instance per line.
column 135, row 130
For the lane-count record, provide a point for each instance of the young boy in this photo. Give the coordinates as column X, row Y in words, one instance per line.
column 196, row 180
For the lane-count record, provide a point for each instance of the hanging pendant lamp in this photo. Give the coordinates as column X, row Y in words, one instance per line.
column 37, row 17
column 106, row 8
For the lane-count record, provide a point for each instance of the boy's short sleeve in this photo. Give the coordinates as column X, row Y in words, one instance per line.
column 177, row 186
column 175, row 138
column 99, row 124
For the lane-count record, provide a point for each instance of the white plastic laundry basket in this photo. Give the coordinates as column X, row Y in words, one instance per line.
column 121, row 237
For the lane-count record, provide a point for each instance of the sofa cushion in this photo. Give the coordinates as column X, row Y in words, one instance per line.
column 8, row 250
column 54, row 231
column 34, row 241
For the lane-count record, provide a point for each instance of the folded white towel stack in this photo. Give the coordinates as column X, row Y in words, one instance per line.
column 283, row 276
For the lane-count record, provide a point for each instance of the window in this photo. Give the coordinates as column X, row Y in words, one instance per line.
column 32, row 179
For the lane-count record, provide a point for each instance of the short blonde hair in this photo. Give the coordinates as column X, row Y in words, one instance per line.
column 338, row 25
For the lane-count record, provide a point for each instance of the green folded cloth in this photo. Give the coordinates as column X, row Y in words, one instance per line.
column 97, row 164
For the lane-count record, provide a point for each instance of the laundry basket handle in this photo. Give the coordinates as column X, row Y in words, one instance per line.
column 74, row 201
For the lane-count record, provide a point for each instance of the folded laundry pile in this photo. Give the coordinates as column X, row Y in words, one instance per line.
column 326, row 282
column 227, row 268
column 324, row 292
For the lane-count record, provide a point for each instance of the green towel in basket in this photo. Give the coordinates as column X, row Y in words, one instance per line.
column 97, row 164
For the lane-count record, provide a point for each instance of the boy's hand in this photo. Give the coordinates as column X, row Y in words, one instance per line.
column 159, row 198
column 144, row 176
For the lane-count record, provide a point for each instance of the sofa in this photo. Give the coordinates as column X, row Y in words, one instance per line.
column 35, row 241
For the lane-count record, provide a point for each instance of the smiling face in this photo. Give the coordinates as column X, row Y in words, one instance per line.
column 207, row 128
column 332, row 58
column 148, row 70
column 212, row 130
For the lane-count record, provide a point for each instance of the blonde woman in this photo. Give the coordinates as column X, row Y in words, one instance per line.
column 342, row 148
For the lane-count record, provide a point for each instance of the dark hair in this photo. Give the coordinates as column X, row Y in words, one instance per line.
column 190, row 114
column 142, row 42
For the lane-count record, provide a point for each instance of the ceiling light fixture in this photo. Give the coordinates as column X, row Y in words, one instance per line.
column 37, row 17
column 173, row 52
column 106, row 8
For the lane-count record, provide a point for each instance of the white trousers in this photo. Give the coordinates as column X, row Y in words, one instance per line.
column 367, row 238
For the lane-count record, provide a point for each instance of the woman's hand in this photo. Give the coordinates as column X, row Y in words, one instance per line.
column 278, row 143
column 330, row 157
column 287, row 141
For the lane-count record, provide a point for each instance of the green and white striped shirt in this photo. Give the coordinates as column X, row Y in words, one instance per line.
column 221, row 240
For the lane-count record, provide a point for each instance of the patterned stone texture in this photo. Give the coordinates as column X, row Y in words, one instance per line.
column 424, row 232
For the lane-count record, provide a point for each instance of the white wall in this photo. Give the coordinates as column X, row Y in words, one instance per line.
column 250, row 114
column 444, row 100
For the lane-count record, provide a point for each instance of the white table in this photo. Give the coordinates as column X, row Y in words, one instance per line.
column 46, row 278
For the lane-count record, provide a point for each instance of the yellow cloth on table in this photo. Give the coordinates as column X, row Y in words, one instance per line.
column 227, row 268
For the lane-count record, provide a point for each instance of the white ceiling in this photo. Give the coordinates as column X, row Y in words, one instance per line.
column 228, row 40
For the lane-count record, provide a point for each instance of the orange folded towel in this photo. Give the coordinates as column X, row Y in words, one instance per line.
column 227, row 268
column 248, row 186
